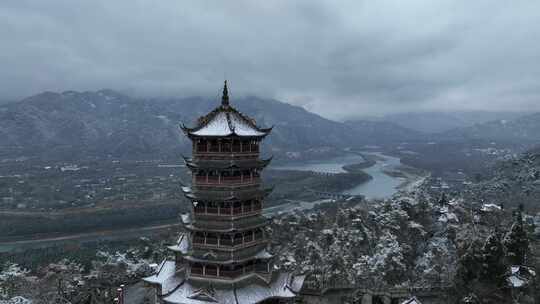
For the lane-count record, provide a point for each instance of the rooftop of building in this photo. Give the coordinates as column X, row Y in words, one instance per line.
column 224, row 121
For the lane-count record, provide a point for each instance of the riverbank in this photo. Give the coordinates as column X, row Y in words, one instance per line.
column 389, row 176
column 369, row 161
column 412, row 177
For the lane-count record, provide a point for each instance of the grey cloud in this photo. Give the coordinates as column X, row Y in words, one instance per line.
column 340, row 59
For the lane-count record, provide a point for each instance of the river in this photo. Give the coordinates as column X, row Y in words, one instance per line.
column 381, row 185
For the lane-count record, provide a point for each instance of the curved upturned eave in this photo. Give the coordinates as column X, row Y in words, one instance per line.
column 204, row 120
column 193, row 164
column 195, row 259
column 189, row 194
column 233, row 134
column 191, row 226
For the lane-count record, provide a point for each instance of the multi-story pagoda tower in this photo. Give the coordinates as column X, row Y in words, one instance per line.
column 222, row 257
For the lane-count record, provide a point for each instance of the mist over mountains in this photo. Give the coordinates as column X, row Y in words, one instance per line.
column 107, row 124
column 436, row 122
column 521, row 129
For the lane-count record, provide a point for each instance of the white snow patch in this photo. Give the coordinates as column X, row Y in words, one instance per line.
column 516, row 281
column 219, row 126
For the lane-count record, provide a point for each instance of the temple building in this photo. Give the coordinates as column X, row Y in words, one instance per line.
column 222, row 256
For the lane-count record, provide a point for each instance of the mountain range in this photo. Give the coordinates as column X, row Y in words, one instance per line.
column 438, row 122
column 522, row 129
column 108, row 124
column 105, row 123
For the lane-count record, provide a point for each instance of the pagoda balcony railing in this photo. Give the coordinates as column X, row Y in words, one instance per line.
column 226, row 244
column 220, row 255
column 197, row 270
column 256, row 221
column 228, row 211
column 225, row 148
column 225, row 155
column 212, row 272
column 232, row 273
column 227, row 181
column 223, row 272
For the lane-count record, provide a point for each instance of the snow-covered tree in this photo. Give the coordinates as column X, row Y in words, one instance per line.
column 516, row 242
column 469, row 266
column 13, row 279
column 493, row 259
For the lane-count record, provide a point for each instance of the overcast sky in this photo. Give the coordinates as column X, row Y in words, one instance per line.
column 339, row 59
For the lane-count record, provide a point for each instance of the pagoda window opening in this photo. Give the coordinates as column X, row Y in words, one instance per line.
column 197, row 268
column 236, row 146
column 199, row 207
column 249, row 267
column 226, row 146
column 213, row 177
column 211, row 270
column 226, row 271
column 247, row 206
column 225, row 176
column 249, row 236
column 245, row 146
column 254, row 146
column 211, row 239
column 225, row 208
column 212, row 208
column 257, row 205
column 231, row 271
column 237, row 208
column 259, row 235
column 199, row 238
column 201, row 176
column 214, row 145
column 226, row 240
column 202, row 145
column 238, row 239
column 243, row 175
column 236, row 176
column 262, row 266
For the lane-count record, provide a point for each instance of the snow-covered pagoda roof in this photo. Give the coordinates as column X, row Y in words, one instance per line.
column 166, row 277
column 181, row 245
column 281, row 286
column 176, row 288
column 412, row 300
column 225, row 120
column 227, row 164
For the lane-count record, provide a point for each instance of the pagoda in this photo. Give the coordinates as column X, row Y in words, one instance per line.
column 222, row 256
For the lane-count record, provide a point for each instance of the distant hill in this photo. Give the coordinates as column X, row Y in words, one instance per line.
column 73, row 125
column 381, row 132
column 513, row 182
column 107, row 124
column 524, row 129
column 436, row 122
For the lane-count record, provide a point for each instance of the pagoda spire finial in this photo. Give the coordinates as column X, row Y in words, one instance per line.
column 225, row 97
